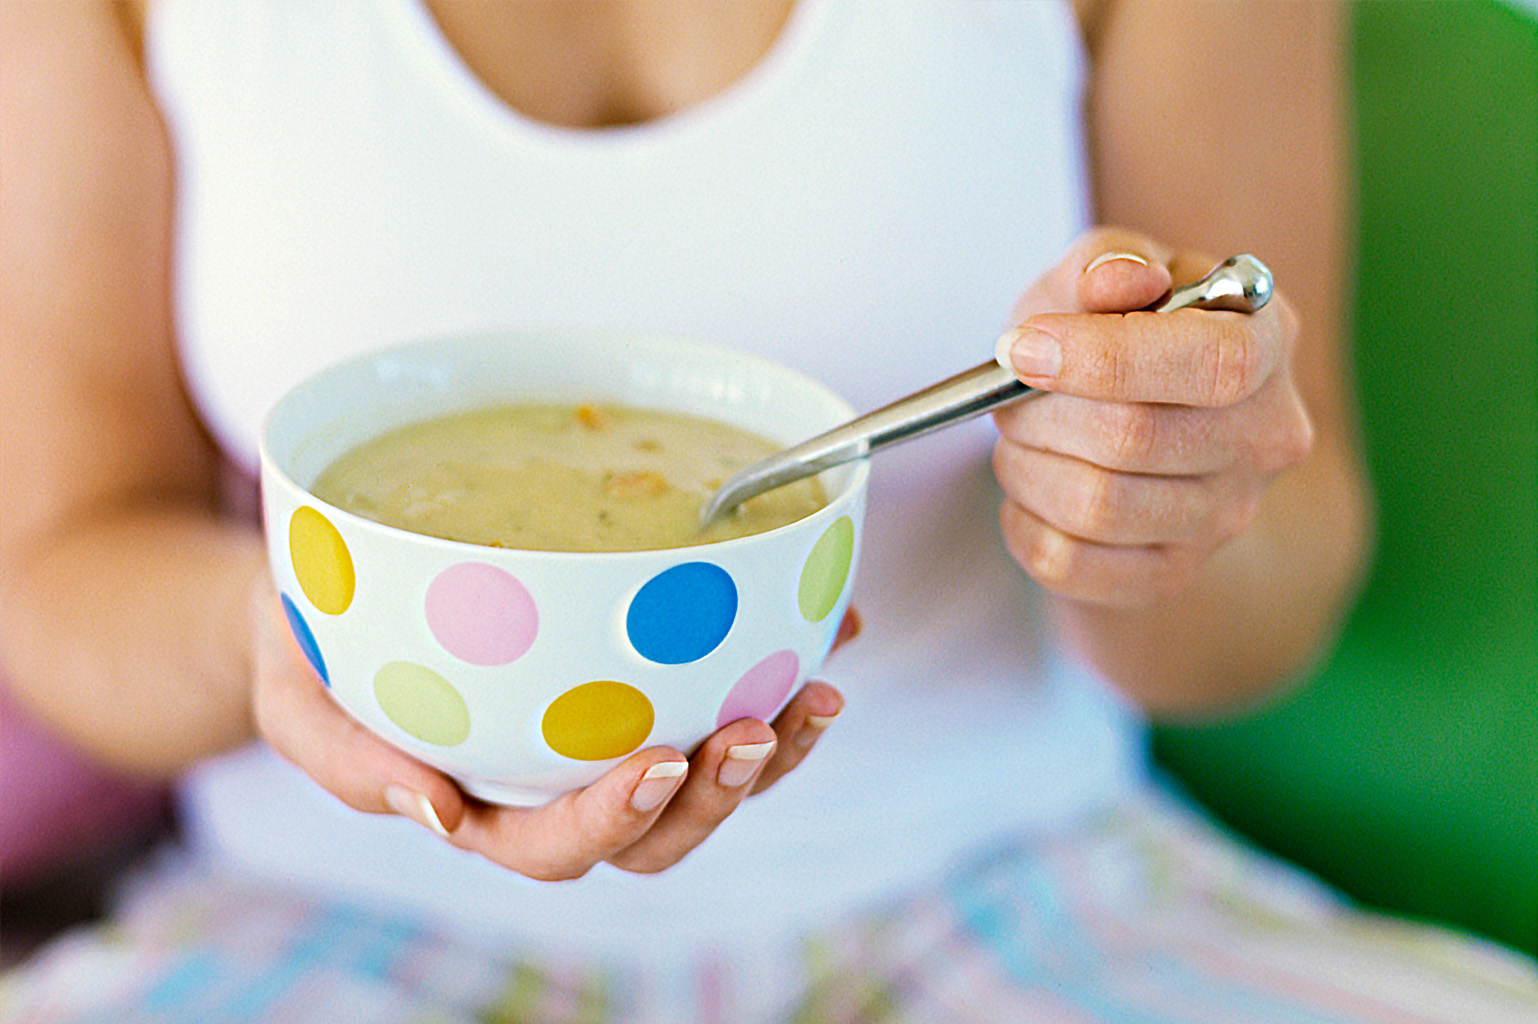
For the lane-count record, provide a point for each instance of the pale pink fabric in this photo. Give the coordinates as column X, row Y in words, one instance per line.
column 56, row 807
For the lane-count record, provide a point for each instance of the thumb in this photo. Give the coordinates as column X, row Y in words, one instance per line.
column 1106, row 270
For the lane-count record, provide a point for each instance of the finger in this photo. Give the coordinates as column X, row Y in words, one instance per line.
column 1267, row 432
column 565, row 838
column 1189, row 356
column 721, row 774
column 300, row 720
column 1115, row 576
column 1125, row 280
column 799, row 725
column 848, row 628
column 1090, row 502
column 1131, row 437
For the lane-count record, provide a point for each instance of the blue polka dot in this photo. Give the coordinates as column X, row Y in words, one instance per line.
column 306, row 639
column 682, row 613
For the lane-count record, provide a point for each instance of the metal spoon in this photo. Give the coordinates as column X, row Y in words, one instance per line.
column 1240, row 284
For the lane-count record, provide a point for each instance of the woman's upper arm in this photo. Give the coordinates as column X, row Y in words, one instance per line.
column 96, row 417
column 1221, row 127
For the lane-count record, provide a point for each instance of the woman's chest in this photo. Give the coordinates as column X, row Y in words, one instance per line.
column 601, row 63
column 866, row 209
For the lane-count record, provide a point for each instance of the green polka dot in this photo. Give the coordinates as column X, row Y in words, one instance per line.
column 422, row 703
column 322, row 563
column 598, row 720
column 827, row 570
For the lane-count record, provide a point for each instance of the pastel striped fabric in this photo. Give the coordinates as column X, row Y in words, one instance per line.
column 1151, row 916
column 1147, row 915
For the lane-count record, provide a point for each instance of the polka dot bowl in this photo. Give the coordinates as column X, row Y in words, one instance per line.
column 525, row 674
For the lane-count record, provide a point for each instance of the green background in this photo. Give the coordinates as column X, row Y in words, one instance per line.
column 1405, row 771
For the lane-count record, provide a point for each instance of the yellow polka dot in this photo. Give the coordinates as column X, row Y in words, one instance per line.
column 423, row 703
column 322, row 563
column 598, row 720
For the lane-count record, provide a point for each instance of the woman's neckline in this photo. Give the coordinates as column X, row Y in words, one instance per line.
column 743, row 91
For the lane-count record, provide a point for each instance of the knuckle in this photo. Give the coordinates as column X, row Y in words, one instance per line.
column 1111, row 369
column 1101, row 361
column 1291, row 442
column 1300, row 438
column 1130, row 430
column 1011, row 470
column 1048, row 556
column 1230, row 366
column 1041, row 551
column 1098, row 503
column 1001, row 460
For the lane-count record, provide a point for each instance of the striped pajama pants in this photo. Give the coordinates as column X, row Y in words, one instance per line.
column 1144, row 915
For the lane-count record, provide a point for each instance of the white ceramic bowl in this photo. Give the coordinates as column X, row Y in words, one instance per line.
column 525, row 674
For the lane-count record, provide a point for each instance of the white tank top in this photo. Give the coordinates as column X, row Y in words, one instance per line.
column 865, row 205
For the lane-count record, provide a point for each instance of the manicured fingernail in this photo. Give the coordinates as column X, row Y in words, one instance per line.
column 1107, row 257
column 812, row 729
column 408, row 803
column 741, row 762
column 659, row 783
column 1029, row 352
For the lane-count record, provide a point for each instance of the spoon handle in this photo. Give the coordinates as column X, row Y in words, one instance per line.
column 1239, row 284
column 963, row 396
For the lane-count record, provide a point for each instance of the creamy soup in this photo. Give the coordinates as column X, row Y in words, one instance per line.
column 561, row 478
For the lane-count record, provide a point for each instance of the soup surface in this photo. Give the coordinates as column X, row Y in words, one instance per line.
column 561, row 478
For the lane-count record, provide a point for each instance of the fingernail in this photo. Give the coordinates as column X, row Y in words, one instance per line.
column 741, row 762
column 408, row 803
column 812, row 729
column 659, row 782
column 1029, row 352
column 1107, row 257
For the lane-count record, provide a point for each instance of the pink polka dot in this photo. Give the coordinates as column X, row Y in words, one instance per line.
column 481, row 614
column 762, row 689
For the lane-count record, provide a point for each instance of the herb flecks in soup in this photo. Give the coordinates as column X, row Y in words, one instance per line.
column 561, row 478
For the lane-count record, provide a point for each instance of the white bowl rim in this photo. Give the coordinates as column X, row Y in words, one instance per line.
column 855, row 473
